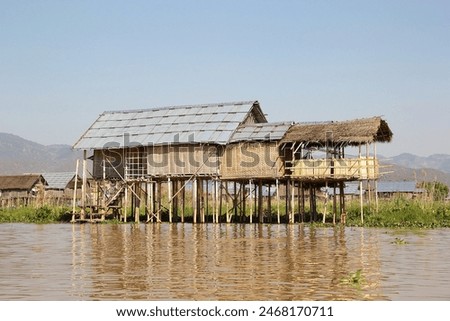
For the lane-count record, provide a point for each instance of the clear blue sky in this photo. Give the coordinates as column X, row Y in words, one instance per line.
column 64, row 62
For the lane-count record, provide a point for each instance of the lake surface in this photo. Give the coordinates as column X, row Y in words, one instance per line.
column 221, row 262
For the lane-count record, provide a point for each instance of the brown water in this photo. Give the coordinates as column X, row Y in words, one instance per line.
column 220, row 262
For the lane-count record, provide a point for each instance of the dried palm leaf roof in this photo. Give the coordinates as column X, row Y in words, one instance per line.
column 351, row 132
column 20, row 182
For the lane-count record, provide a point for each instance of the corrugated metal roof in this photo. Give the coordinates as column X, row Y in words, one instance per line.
column 260, row 132
column 398, row 187
column 212, row 123
column 58, row 180
column 350, row 188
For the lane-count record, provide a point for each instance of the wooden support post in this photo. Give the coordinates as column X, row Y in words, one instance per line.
column 148, row 201
column 251, row 201
column 183, row 201
column 287, row 201
column 74, row 203
column 194, row 200
column 361, row 200
column 125, row 209
column 201, row 201
column 325, row 209
column 292, row 207
column 342, row 195
column 206, row 199
column 260, row 202
column 277, row 186
column 84, row 187
column 235, row 200
column 269, row 203
column 169, row 191
column 334, row 202
column 137, row 202
column 219, row 214
column 158, row 200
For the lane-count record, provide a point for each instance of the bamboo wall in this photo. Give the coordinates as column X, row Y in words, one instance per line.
column 344, row 168
column 252, row 160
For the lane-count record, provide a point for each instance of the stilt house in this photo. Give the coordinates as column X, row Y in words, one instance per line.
column 147, row 159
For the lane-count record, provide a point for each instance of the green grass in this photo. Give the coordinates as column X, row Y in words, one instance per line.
column 39, row 215
column 396, row 213
column 401, row 212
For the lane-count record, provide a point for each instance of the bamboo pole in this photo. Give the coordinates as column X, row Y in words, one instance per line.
column 269, row 202
column 277, row 186
column 194, row 200
column 84, row 187
column 74, row 203
column 251, row 201
column 169, row 191
column 292, row 207
column 260, row 203
column 326, row 203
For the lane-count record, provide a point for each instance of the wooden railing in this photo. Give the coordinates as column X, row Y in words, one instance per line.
column 343, row 168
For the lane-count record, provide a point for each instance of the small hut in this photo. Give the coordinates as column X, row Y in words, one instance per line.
column 21, row 190
column 60, row 187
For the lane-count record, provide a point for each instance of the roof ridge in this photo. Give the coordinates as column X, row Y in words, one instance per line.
column 223, row 104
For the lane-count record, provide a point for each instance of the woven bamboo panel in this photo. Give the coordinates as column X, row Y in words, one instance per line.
column 360, row 168
column 252, row 161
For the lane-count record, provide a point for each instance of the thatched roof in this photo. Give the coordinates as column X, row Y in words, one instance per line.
column 352, row 132
column 20, row 182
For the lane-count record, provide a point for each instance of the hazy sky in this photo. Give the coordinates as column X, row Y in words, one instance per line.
column 62, row 63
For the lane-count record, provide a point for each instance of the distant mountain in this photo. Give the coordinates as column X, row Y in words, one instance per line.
column 18, row 156
column 393, row 172
column 437, row 161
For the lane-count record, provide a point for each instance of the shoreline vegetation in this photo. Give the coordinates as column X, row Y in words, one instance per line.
column 394, row 213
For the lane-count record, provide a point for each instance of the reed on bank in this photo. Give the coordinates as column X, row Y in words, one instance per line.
column 394, row 213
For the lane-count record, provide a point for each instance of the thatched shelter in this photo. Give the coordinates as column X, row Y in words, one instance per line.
column 21, row 190
column 349, row 133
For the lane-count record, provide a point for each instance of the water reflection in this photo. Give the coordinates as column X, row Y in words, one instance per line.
column 223, row 262
column 219, row 262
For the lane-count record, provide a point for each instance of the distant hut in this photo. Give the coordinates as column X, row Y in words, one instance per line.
column 406, row 189
column 21, row 190
column 60, row 187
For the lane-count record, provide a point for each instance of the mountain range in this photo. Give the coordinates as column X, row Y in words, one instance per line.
column 18, row 156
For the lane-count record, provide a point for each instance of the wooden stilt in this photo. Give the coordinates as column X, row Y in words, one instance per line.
column 342, row 195
column 170, row 191
column 125, row 210
column 220, row 194
column 287, row 201
column 334, row 202
column 183, row 201
column 84, row 187
column 194, row 200
column 201, row 200
column 74, row 203
column 325, row 208
column 158, row 200
column 251, row 201
column 207, row 213
column 277, row 186
column 269, row 203
column 292, row 207
column 260, row 202
column 137, row 202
